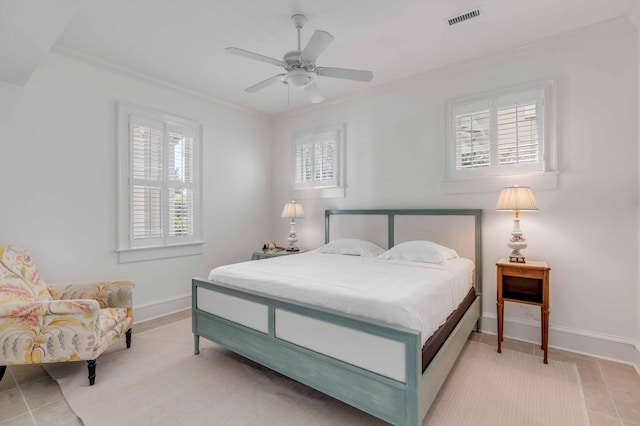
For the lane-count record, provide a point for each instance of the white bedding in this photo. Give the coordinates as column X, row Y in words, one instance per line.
column 415, row 295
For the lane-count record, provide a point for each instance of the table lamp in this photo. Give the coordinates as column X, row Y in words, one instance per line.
column 516, row 199
column 292, row 210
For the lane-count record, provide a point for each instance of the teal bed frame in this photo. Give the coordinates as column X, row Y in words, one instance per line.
column 400, row 403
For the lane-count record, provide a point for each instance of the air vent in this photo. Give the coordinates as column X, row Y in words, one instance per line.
column 464, row 16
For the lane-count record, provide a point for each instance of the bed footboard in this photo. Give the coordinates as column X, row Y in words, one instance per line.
column 254, row 326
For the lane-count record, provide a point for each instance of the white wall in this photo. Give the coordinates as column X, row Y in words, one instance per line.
column 58, row 180
column 587, row 229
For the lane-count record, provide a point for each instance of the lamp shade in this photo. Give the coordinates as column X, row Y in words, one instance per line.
column 516, row 198
column 292, row 210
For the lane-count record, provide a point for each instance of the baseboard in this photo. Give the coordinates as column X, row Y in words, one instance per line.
column 599, row 345
column 637, row 345
column 160, row 308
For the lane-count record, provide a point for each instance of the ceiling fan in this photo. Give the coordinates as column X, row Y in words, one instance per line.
column 300, row 65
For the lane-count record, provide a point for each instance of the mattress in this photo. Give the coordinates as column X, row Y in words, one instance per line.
column 415, row 295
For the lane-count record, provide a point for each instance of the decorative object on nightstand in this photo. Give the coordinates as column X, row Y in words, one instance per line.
column 267, row 254
column 292, row 210
column 528, row 284
column 516, row 199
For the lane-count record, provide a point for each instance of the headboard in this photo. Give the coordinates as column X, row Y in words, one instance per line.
column 460, row 229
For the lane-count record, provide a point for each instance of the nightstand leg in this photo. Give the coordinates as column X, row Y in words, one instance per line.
column 542, row 327
column 545, row 340
column 500, row 324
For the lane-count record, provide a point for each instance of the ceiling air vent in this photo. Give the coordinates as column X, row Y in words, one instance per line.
column 464, row 16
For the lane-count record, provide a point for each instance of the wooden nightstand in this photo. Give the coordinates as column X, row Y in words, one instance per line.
column 524, row 283
column 265, row 254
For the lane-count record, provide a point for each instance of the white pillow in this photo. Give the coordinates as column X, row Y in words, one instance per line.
column 420, row 251
column 352, row 247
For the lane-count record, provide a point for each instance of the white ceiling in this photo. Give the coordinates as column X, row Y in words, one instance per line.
column 181, row 42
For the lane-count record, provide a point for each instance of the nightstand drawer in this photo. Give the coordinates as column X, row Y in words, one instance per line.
column 515, row 271
column 522, row 289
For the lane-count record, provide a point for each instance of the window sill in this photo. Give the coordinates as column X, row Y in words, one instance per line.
column 338, row 192
column 151, row 253
column 537, row 181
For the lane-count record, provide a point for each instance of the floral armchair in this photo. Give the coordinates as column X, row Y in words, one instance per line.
column 42, row 323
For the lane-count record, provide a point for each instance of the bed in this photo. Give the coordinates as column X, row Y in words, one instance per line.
column 323, row 347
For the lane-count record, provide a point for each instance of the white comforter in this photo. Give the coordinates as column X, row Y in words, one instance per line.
column 419, row 296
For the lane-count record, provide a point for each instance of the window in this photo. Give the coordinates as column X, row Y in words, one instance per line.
column 505, row 133
column 159, row 191
column 317, row 169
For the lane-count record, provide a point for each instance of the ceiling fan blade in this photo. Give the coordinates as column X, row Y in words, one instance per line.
column 255, row 56
column 345, row 73
column 268, row 82
column 314, row 93
column 318, row 43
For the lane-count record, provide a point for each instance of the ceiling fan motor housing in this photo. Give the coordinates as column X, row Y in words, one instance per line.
column 292, row 60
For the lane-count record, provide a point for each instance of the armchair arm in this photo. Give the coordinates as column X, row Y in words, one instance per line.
column 86, row 308
column 109, row 294
column 48, row 331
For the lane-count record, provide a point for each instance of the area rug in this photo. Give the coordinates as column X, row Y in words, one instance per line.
column 159, row 381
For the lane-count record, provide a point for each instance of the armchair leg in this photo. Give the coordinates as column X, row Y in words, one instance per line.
column 3, row 368
column 92, row 371
column 128, row 337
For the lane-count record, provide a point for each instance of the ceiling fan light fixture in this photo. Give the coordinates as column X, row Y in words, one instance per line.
column 299, row 78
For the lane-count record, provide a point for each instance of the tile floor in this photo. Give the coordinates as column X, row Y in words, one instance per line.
column 28, row 396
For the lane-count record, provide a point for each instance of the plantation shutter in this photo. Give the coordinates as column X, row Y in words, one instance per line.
column 316, row 160
column 146, row 181
column 519, row 123
column 325, row 159
column 180, row 183
column 162, row 183
column 499, row 135
column 304, row 162
column 472, row 135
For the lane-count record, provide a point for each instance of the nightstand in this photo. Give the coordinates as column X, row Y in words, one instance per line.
column 265, row 254
column 524, row 283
